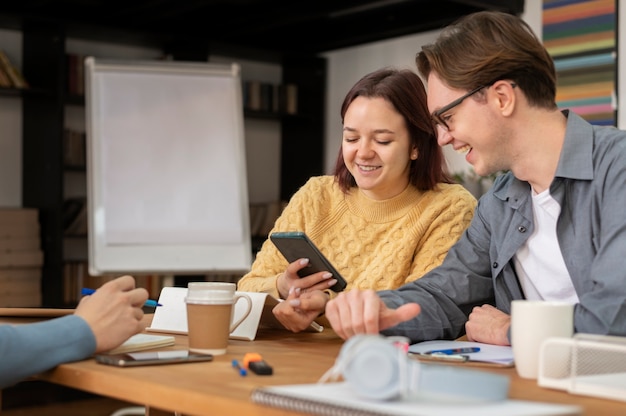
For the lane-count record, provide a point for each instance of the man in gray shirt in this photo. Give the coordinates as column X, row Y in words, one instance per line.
column 553, row 227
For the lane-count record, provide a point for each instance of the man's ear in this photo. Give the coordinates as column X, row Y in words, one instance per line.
column 505, row 94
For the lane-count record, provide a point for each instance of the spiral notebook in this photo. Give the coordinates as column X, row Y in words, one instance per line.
column 338, row 399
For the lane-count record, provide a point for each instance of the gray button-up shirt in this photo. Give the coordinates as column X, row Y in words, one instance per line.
column 590, row 186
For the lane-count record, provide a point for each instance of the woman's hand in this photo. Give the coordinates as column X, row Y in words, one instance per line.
column 291, row 280
column 300, row 308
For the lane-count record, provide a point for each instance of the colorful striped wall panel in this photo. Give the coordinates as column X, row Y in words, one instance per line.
column 580, row 35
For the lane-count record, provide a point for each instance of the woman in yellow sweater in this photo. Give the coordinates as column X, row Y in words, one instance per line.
column 388, row 214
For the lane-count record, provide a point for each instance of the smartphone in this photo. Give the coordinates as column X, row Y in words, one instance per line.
column 134, row 359
column 295, row 245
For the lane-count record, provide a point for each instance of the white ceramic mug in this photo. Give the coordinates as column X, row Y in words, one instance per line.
column 532, row 322
column 210, row 312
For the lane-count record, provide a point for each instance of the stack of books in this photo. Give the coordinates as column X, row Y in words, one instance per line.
column 21, row 258
column 270, row 98
column 10, row 75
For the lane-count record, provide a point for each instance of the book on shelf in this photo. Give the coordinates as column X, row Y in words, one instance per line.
column 29, row 243
column 20, row 287
column 14, row 74
column 338, row 398
column 75, row 217
column 10, row 276
column 25, row 216
column 74, row 149
column 25, row 285
column 18, row 230
column 19, row 238
column 5, row 81
column 252, row 95
column 75, row 76
column 290, row 99
column 19, row 223
column 21, row 257
column 271, row 98
column 28, row 258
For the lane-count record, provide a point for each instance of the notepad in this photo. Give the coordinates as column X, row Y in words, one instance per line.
column 140, row 342
column 339, row 399
column 493, row 354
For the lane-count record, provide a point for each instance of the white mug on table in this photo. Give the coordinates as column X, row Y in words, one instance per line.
column 532, row 322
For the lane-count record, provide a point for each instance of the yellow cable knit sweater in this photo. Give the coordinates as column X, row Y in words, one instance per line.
column 373, row 244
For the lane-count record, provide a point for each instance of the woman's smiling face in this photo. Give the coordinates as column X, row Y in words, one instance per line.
column 376, row 147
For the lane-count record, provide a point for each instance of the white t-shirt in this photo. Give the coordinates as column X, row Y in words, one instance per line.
column 539, row 263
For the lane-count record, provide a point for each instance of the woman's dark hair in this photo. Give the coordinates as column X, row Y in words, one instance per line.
column 405, row 91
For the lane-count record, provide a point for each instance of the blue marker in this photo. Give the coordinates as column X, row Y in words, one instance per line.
column 242, row 371
column 454, row 351
column 150, row 303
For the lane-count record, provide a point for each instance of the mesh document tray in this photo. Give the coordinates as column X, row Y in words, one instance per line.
column 590, row 365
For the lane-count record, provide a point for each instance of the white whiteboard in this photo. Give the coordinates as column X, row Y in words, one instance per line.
column 166, row 170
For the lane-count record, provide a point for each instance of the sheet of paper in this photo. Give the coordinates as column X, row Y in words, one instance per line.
column 496, row 354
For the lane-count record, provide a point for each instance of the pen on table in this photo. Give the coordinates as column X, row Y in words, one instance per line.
column 151, row 303
column 440, row 357
column 236, row 365
column 455, row 351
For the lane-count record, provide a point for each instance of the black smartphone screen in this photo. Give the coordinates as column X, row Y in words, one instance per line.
column 134, row 359
column 295, row 245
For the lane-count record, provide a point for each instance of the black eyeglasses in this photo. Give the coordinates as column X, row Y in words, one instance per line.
column 438, row 115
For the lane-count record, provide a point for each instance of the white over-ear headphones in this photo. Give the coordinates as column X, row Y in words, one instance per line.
column 376, row 368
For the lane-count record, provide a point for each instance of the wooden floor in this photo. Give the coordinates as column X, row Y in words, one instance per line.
column 38, row 398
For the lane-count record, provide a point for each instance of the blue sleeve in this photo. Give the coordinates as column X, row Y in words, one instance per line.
column 29, row 349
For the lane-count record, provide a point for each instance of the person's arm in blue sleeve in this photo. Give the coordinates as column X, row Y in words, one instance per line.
column 29, row 349
column 101, row 321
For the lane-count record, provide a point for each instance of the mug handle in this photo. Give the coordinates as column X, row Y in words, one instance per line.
column 248, row 300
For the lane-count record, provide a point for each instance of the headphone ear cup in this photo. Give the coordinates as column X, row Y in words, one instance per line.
column 371, row 366
column 376, row 369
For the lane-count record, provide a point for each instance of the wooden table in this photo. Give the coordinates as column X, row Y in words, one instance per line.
column 216, row 388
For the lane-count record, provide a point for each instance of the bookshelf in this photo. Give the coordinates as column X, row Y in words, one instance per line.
column 44, row 109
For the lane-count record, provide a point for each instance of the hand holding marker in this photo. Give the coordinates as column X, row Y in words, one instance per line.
column 150, row 303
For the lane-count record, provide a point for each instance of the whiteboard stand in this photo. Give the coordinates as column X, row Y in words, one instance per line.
column 166, row 168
